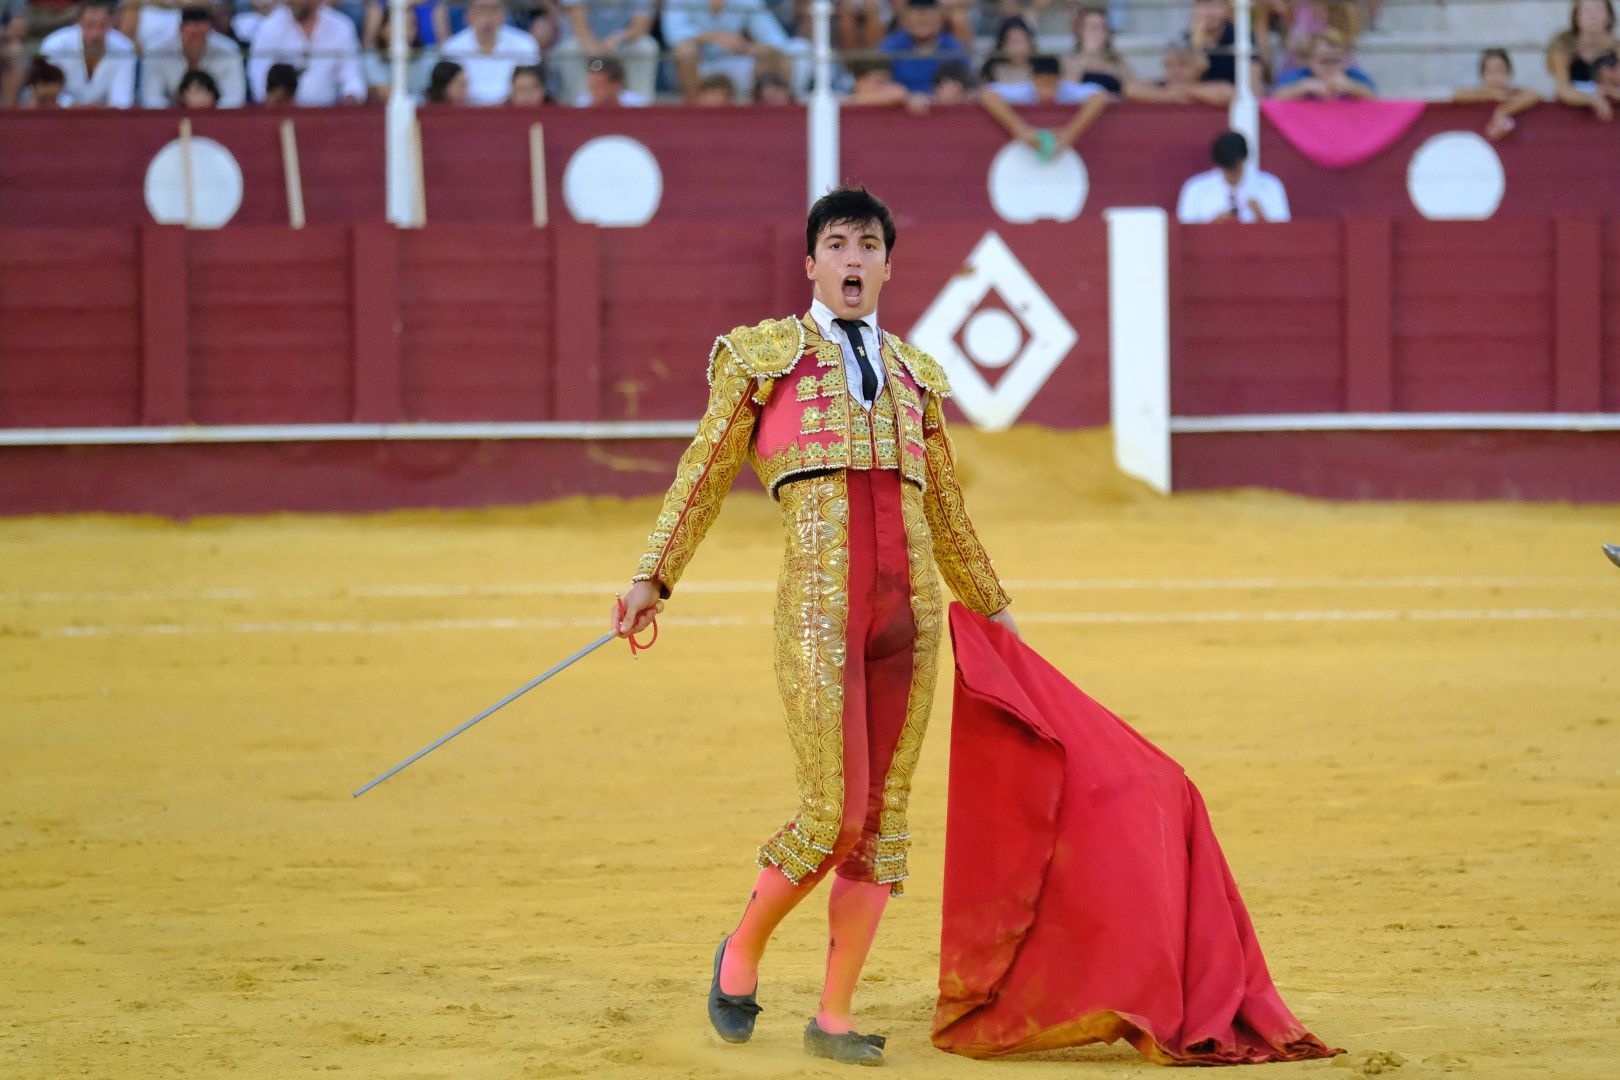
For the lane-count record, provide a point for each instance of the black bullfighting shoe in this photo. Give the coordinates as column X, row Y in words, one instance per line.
column 731, row 1014
column 850, row 1048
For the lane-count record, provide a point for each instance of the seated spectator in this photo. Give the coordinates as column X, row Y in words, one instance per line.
column 148, row 23
column 1496, row 87
column 448, row 84
column 432, row 18
column 1009, row 58
column 197, row 46
column 621, row 29
column 325, row 42
column 1095, row 60
column 1046, row 89
column 197, row 90
column 1573, row 57
column 953, row 84
column 604, row 86
column 716, row 89
column 245, row 23
column 772, row 89
column 1308, row 18
column 97, row 61
column 545, row 24
column 489, row 51
column 859, row 24
column 1231, row 191
column 1330, row 75
column 1183, row 82
column 920, row 45
column 1213, row 34
column 1046, row 85
column 379, row 64
column 528, row 87
column 732, row 38
column 874, row 83
column 43, row 87
column 280, row 86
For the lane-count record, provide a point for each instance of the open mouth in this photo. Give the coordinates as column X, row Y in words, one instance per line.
column 852, row 289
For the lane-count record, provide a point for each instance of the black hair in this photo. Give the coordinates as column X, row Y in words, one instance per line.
column 923, row 4
column 1499, row 54
column 281, row 76
column 1607, row 60
column 196, row 13
column 844, row 205
column 43, row 72
column 439, row 80
column 529, row 69
column 953, row 71
column 609, row 66
column 862, row 66
column 1230, row 149
column 1044, row 65
column 197, row 77
column 1008, row 25
column 105, row 5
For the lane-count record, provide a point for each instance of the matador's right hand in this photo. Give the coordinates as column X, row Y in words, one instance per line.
column 641, row 603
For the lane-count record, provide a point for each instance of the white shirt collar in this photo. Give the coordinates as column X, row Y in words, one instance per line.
column 823, row 317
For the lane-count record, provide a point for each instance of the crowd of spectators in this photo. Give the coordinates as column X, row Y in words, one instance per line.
column 613, row 53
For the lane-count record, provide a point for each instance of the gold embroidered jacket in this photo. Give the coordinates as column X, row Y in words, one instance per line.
column 782, row 370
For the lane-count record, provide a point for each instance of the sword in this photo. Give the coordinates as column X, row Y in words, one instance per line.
column 635, row 647
column 1613, row 552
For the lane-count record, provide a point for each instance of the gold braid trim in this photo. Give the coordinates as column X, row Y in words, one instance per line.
column 765, row 351
column 894, row 837
column 704, row 474
column 961, row 557
column 924, row 368
column 812, row 613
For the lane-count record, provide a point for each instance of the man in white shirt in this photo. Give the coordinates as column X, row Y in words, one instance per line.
column 198, row 47
column 321, row 43
column 489, row 51
column 1230, row 191
column 98, row 61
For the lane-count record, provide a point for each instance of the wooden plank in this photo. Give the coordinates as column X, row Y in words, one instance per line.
column 1577, row 315
column 1369, row 369
column 165, row 326
column 374, row 269
column 577, row 320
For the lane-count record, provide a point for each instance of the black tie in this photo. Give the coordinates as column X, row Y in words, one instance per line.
column 857, row 341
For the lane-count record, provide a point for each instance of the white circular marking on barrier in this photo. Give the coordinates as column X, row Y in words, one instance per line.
column 1023, row 188
column 216, row 185
column 613, row 180
column 993, row 338
column 1456, row 176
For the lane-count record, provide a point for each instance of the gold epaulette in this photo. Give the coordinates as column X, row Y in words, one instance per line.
column 765, row 351
column 924, row 368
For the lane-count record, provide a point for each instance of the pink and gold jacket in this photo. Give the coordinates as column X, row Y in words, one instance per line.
column 778, row 398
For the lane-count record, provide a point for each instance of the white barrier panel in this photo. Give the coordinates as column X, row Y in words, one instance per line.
column 1139, row 342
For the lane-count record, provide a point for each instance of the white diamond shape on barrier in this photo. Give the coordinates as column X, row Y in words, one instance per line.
column 993, row 266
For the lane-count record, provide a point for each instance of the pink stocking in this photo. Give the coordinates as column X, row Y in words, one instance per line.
column 773, row 897
column 853, row 911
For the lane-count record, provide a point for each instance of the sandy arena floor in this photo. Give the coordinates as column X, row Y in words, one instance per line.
column 1404, row 718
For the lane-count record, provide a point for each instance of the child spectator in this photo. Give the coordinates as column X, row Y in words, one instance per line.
column 874, row 83
column 1329, row 75
column 716, row 89
column 771, row 88
column 920, row 45
column 489, row 50
column 953, row 84
column 528, row 87
column 1048, row 87
column 1008, row 61
column 1213, row 34
column 43, row 87
column 326, row 43
column 448, row 84
column 1095, row 60
column 379, row 66
column 1496, row 87
column 197, row 91
column 735, row 38
column 97, row 61
column 1573, row 56
column 1230, row 191
column 604, row 86
column 197, row 46
column 1308, row 18
column 280, row 85
column 1183, row 82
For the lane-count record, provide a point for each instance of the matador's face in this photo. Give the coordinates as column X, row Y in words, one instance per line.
column 849, row 267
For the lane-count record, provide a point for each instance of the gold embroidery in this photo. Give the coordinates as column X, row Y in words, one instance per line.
column 832, row 383
column 961, row 557
column 812, row 612
column 894, row 839
column 703, row 475
column 809, row 388
column 924, row 368
column 810, row 421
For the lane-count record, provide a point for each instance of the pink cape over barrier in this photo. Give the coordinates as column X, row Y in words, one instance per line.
column 1339, row 134
column 1086, row 897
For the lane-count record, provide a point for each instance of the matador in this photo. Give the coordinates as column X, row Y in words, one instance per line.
column 845, row 426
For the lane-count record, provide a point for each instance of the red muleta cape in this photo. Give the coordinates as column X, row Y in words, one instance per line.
column 1086, row 897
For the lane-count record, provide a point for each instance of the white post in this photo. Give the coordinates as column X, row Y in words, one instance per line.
column 292, row 174
column 823, row 111
column 401, row 121
column 1244, row 115
column 1139, row 342
column 188, row 175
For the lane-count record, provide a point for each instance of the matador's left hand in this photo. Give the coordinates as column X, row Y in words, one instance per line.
column 1005, row 618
